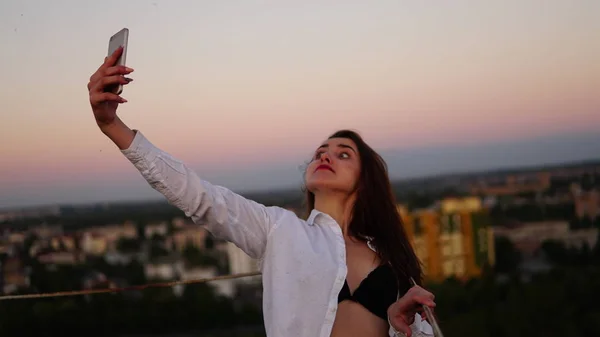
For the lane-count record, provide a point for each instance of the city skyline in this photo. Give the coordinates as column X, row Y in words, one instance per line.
column 402, row 165
column 435, row 88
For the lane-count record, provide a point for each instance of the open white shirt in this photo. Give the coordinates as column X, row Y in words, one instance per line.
column 303, row 263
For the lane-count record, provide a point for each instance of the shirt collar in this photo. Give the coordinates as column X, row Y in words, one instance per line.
column 317, row 217
column 313, row 215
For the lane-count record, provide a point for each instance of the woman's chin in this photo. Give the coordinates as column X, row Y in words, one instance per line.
column 327, row 187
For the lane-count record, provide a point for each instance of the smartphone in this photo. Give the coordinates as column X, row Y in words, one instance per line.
column 119, row 39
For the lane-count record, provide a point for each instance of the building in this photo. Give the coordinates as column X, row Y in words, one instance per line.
column 241, row 263
column 529, row 237
column 534, row 182
column 587, row 202
column 14, row 275
column 93, row 244
column 164, row 269
column 185, row 235
column 63, row 242
column 160, row 229
column 222, row 287
column 61, row 258
column 453, row 240
column 98, row 240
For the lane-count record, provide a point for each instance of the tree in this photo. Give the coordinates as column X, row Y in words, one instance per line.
column 597, row 222
column 158, row 238
column 596, row 250
column 585, row 254
column 508, row 257
column 170, row 227
column 556, row 252
column 587, row 222
column 157, row 251
column 195, row 257
column 209, row 242
column 135, row 273
column 141, row 230
column 126, row 245
column 419, row 200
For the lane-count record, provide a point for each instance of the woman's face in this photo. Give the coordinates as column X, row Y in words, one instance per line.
column 335, row 167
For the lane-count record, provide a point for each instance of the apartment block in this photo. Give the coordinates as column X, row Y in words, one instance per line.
column 453, row 240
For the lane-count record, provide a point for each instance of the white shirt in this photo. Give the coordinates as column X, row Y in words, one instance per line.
column 303, row 263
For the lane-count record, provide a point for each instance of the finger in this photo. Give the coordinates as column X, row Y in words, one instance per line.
column 402, row 327
column 106, row 82
column 101, row 97
column 122, row 70
column 424, row 300
column 415, row 288
column 109, row 61
column 111, row 80
column 405, row 329
column 112, row 58
column 420, row 290
column 423, row 316
column 116, row 70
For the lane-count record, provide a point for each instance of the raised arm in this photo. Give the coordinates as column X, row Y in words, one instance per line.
column 225, row 214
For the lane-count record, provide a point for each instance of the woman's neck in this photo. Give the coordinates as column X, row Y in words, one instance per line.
column 336, row 206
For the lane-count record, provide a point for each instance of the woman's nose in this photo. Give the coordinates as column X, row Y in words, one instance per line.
column 325, row 158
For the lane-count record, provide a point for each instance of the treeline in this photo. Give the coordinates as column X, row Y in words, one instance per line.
column 74, row 218
column 158, row 312
column 539, row 212
column 153, row 311
column 562, row 302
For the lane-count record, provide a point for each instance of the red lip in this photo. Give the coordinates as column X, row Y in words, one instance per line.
column 324, row 167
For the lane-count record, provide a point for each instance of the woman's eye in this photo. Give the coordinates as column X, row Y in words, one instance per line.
column 344, row 155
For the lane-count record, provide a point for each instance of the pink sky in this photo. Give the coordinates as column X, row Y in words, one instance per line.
column 224, row 86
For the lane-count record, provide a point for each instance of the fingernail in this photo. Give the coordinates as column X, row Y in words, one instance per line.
column 123, row 100
column 128, row 79
column 128, row 69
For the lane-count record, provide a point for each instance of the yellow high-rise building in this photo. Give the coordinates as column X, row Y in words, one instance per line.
column 454, row 241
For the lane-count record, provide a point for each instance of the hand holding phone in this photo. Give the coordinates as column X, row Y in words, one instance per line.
column 106, row 83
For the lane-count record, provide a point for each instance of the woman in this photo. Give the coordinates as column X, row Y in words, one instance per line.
column 342, row 272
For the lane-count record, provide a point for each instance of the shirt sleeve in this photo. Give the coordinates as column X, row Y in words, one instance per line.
column 225, row 214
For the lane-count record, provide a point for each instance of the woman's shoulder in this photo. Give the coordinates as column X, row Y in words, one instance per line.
column 291, row 221
column 280, row 212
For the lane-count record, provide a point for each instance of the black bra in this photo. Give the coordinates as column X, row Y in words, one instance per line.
column 377, row 291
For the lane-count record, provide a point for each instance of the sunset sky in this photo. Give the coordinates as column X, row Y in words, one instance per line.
column 244, row 91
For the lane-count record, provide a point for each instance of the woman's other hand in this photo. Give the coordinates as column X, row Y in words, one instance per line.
column 401, row 314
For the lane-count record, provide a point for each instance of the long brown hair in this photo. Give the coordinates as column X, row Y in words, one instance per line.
column 375, row 213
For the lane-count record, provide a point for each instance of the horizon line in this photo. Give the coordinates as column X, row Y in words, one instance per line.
column 498, row 170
